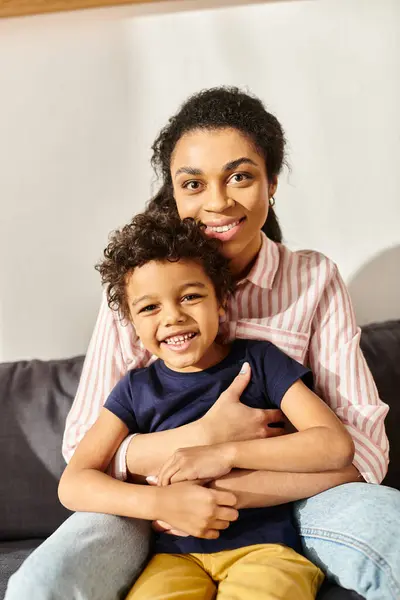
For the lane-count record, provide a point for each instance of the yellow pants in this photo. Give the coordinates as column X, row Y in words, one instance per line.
column 261, row 572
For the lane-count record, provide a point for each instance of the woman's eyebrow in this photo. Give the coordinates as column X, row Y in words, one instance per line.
column 234, row 164
column 230, row 166
column 188, row 171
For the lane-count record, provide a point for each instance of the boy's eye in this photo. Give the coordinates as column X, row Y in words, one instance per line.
column 190, row 297
column 148, row 308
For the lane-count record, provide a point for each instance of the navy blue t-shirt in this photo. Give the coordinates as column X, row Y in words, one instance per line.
column 156, row 398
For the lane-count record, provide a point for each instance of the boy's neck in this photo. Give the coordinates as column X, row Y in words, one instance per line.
column 214, row 355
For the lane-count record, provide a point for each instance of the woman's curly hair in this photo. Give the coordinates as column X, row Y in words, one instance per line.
column 218, row 108
column 160, row 237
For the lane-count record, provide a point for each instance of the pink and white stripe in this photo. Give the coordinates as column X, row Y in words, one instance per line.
column 298, row 301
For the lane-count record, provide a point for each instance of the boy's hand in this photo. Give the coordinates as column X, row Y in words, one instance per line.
column 197, row 510
column 199, row 462
column 230, row 420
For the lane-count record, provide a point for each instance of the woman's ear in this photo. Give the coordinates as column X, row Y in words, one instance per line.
column 272, row 186
column 221, row 311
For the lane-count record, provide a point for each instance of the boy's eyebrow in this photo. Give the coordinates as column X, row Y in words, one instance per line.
column 192, row 284
column 181, row 289
column 137, row 300
column 230, row 166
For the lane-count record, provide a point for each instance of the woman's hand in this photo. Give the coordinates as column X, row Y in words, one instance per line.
column 199, row 462
column 196, row 510
column 230, row 420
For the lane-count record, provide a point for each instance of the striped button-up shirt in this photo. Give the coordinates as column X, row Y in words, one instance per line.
column 298, row 301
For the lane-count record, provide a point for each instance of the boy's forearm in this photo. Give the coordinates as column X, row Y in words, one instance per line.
column 255, row 489
column 93, row 491
column 148, row 452
column 313, row 450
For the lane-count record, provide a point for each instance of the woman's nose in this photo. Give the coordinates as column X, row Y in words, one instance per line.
column 217, row 199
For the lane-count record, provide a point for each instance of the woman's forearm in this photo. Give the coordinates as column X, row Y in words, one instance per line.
column 148, row 452
column 269, row 488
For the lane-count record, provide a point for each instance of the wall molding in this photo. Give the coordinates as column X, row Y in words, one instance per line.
column 19, row 8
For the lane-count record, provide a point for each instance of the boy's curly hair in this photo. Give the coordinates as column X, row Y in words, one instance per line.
column 161, row 238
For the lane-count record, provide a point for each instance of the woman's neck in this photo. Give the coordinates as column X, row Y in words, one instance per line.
column 241, row 265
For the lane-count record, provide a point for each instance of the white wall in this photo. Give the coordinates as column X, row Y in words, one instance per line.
column 82, row 95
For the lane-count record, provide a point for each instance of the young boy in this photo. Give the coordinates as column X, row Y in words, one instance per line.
column 171, row 281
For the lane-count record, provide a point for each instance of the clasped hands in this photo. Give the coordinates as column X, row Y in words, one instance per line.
column 197, row 503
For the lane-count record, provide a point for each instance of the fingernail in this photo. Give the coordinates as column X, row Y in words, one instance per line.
column 152, row 479
column 244, row 368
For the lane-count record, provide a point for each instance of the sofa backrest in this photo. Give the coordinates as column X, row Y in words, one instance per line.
column 380, row 343
column 35, row 398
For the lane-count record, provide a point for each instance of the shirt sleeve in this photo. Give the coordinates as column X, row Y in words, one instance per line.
column 120, row 403
column 343, row 379
column 105, row 364
column 281, row 372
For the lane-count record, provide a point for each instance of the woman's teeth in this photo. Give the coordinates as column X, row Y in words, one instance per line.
column 179, row 339
column 223, row 228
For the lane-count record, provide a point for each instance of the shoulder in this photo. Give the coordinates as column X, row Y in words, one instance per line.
column 256, row 351
column 133, row 380
column 306, row 264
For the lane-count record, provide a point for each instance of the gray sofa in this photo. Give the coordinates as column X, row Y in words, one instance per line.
column 35, row 397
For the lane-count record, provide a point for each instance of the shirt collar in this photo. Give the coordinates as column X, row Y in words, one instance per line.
column 266, row 265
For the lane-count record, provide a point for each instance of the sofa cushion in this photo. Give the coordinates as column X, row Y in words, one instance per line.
column 380, row 343
column 35, row 397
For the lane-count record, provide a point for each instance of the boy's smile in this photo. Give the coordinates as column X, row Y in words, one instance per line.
column 175, row 312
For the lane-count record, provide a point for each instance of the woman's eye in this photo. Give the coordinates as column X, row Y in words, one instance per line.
column 148, row 308
column 192, row 186
column 239, row 177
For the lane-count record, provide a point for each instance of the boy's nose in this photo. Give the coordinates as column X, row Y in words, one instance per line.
column 173, row 316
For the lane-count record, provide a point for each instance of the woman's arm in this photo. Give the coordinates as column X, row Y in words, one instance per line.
column 343, row 379
column 228, row 419
column 84, row 486
column 320, row 444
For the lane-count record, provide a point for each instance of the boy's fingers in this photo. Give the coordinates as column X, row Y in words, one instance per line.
column 227, row 514
column 225, row 498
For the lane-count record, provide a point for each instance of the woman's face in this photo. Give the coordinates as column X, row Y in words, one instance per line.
column 220, row 179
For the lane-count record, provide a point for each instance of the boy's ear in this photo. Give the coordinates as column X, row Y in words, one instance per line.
column 222, row 311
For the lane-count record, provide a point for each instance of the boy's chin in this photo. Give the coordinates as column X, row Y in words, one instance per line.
column 180, row 363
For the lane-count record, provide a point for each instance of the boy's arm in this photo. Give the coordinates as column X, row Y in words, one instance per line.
column 228, row 419
column 84, row 486
column 320, row 444
column 255, row 489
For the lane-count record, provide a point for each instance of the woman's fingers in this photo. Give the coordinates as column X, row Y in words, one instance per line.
column 169, row 469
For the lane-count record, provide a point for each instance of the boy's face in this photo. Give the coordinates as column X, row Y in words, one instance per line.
column 175, row 312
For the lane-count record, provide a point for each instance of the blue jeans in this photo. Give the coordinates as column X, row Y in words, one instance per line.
column 352, row 532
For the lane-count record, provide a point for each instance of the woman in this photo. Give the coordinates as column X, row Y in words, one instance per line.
column 219, row 158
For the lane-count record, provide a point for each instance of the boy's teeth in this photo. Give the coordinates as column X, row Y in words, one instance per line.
column 223, row 228
column 179, row 339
